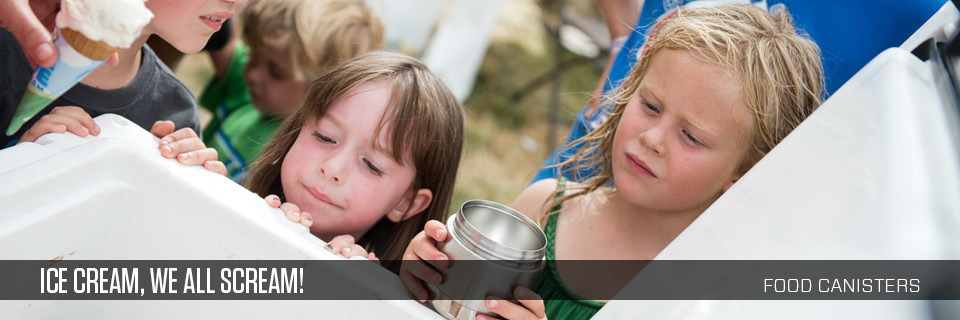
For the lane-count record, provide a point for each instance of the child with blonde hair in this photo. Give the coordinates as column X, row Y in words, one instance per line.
column 716, row 89
column 261, row 79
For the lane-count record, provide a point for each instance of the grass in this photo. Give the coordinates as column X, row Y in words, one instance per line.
column 497, row 164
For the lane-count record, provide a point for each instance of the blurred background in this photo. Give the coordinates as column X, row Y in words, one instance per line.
column 508, row 104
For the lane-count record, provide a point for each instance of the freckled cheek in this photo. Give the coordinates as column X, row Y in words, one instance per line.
column 686, row 166
column 703, row 172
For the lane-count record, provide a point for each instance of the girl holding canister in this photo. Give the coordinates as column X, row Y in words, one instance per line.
column 715, row 89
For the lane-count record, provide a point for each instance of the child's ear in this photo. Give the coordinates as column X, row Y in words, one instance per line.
column 411, row 206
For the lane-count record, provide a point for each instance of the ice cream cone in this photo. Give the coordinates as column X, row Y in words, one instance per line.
column 115, row 23
column 96, row 50
column 33, row 101
column 78, row 57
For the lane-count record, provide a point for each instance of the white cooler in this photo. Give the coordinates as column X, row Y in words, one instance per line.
column 113, row 197
column 872, row 175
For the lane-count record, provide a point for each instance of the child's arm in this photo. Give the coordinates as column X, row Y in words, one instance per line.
column 531, row 201
column 620, row 16
column 186, row 146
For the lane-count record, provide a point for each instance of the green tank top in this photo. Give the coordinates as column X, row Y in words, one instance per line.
column 559, row 301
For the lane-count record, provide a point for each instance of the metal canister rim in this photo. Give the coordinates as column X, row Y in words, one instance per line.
column 489, row 249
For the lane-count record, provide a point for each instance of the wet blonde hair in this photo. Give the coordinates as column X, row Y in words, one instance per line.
column 318, row 34
column 780, row 73
column 426, row 123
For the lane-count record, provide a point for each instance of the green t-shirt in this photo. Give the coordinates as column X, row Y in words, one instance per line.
column 238, row 131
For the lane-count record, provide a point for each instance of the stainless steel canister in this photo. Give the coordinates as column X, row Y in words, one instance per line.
column 510, row 248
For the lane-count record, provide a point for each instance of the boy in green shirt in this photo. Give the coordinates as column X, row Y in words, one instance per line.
column 291, row 42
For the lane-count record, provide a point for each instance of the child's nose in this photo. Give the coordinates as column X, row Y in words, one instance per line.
column 331, row 170
column 331, row 177
column 653, row 138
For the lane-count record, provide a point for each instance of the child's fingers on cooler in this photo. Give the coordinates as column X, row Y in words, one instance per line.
column 53, row 123
column 211, row 154
column 184, row 133
column 272, row 201
column 197, row 157
column 306, row 219
column 72, row 124
column 80, row 116
column 181, row 135
column 42, row 128
column 340, row 243
column 291, row 211
column 86, row 121
column 182, row 146
column 218, row 167
column 162, row 128
column 353, row 250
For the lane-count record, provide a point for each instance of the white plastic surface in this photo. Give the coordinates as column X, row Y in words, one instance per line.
column 939, row 27
column 113, row 197
column 871, row 175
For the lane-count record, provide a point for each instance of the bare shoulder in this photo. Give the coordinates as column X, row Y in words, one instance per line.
column 531, row 201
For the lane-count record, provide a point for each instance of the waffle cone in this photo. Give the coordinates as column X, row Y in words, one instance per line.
column 96, row 50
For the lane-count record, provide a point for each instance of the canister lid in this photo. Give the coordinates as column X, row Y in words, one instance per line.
column 496, row 230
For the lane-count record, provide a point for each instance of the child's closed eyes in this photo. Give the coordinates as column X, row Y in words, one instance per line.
column 369, row 163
